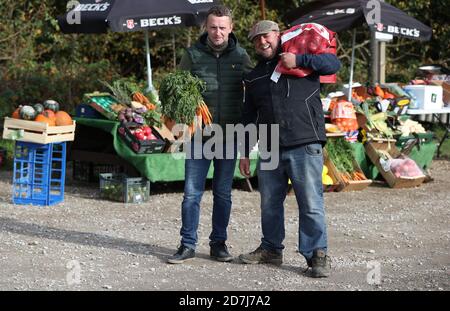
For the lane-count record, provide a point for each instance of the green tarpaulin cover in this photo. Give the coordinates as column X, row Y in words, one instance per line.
column 158, row 167
column 170, row 166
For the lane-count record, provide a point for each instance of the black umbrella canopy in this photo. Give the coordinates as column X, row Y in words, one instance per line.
column 346, row 14
column 97, row 16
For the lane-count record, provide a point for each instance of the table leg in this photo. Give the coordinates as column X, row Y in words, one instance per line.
column 447, row 128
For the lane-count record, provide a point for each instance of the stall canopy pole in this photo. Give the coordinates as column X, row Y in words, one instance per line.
column 350, row 83
column 374, row 77
column 149, row 64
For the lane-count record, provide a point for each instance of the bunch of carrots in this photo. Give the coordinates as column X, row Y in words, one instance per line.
column 141, row 98
column 346, row 177
column 203, row 116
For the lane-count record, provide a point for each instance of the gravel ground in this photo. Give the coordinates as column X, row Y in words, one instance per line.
column 89, row 244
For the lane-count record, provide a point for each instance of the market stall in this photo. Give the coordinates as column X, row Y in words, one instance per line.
column 157, row 167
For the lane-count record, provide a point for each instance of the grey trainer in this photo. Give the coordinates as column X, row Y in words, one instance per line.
column 261, row 255
column 320, row 264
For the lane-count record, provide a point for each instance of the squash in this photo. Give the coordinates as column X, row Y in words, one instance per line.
column 39, row 108
column 51, row 104
column 44, row 119
column 63, row 118
column 49, row 114
column 16, row 113
column 27, row 113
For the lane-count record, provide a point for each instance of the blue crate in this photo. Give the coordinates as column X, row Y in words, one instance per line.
column 86, row 111
column 39, row 173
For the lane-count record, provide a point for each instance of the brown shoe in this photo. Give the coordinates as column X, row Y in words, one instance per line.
column 320, row 264
column 260, row 255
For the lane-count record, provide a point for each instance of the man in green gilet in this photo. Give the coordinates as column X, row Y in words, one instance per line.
column 219, row 60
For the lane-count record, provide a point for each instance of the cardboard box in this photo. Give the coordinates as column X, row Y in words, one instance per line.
column 37, row 132
column 445, row 90
column 172, row 143
column 387, row 147
column 427, row 96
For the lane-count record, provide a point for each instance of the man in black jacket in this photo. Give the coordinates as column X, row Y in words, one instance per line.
column 293, row 104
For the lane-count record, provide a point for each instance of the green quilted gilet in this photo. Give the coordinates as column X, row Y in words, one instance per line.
column 223, row 77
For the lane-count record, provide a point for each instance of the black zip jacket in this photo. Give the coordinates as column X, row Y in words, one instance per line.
column 293, row 103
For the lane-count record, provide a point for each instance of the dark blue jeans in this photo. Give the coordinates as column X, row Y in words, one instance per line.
column 196, row 171
column 303, row 165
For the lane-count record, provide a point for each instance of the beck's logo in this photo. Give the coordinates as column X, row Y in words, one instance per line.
column 130, row 23
column 160, row 21
column 96, row 7
column 379, row 27
column 200, row 1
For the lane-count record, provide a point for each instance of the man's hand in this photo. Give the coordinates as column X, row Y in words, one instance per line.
column 244, row 167
column 288, row 60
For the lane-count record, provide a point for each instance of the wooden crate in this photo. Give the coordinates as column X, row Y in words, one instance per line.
column 387, row 147
column 352, row 185
column 37, row 132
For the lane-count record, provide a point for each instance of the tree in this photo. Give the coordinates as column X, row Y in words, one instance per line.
column 38, row 62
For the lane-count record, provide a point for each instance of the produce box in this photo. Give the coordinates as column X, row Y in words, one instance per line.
column 445, row 90
column 37, row 132
column 375, row 149
column 333, row 187
column 104, row 103
column 427, row 96
column 141, row 146
column 173, row 145
column 345, row 185
column 118, row 187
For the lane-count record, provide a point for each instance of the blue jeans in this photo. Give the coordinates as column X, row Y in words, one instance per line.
column 196, row 171
column 303, row 165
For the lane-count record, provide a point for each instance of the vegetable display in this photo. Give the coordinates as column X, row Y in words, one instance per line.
column 48, row 112
column 340, row 153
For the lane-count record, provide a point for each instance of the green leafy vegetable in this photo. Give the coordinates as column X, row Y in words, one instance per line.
column 122, row 90
column 180, row 94
column 340, row 153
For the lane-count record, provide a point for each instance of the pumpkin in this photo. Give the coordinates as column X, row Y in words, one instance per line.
column 49, row 114
column 39, row 108
column 27, row 113
column 51, row 104
column 16, row 113
column 63, row 118
column 44, row 119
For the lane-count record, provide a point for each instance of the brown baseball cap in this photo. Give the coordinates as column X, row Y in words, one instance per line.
column 262, row 27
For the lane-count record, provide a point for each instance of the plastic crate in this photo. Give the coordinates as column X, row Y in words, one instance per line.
column 105, row 104
column 118, row 187
column 39, row 173
column 90, row 172
column 141, row 146
column 86, row 111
